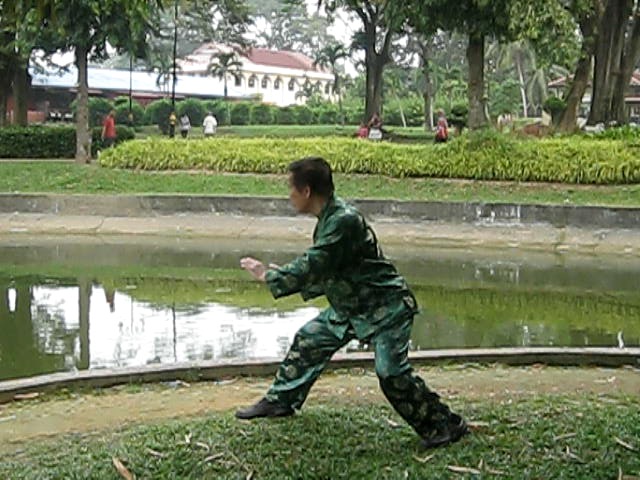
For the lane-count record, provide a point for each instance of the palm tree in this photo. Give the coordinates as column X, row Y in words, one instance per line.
column 329, row 57
column 223, row 64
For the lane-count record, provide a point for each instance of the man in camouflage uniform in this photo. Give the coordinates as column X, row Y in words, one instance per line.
column 369, row 301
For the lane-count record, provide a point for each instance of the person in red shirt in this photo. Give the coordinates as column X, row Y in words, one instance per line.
column 442, row 128
column 109, row 129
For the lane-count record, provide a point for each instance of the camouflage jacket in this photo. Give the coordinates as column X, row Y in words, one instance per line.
column 346, row 264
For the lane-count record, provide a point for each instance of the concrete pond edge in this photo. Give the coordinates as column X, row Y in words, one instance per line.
column 11, row 390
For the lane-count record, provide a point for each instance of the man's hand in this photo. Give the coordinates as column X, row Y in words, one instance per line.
column 255, row 267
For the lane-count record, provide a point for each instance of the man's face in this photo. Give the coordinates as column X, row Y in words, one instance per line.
column 300, row 199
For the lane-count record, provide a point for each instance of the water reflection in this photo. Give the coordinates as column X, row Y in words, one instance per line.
column 65, row 307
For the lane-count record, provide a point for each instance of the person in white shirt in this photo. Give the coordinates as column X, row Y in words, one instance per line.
column 210, row 124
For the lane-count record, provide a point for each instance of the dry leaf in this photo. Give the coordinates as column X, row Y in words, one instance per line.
column 425, row 459
column 622, row 476
column 626, row 445
column 562, row 437
column 204, row 446
column 392, row 424
column 122, row 470
column 156, row 454
column 26, row 396
column 249, row 476
column 477, row 425
column 457, row 469
column 211, row 458
column 573, row 456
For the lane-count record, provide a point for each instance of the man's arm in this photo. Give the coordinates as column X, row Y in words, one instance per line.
column 325, row 258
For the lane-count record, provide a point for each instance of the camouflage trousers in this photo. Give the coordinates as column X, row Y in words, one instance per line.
column 315, row 343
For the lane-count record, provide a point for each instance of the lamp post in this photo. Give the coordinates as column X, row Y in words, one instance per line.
column 175, row 52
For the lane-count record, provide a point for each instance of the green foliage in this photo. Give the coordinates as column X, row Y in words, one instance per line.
column 482, row 156
column 122, row 113
column 459, row 116
column 286, row 116
column 241, row 113
column 194, row 108
column 98, row 109
column 220, row 109
column 554, row 106
column 505, row 97
column 304, row 115
column 123, row 134
column 627, row 133
column 157, row 113
column 37, row 142
column 263, row 114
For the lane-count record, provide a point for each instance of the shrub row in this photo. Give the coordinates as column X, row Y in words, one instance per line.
column 482, row 156
column 50, row 142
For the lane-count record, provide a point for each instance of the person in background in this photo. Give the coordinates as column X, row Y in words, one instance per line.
column 172, row 124
column 375, row 127
column 363, row 130
column 442, row 128
column 185, row 125
column 109, row 133
column 209, row 125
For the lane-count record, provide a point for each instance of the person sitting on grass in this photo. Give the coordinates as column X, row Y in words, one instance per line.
column 369, row 299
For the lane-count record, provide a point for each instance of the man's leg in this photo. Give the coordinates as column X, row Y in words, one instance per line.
column 312, row 347
column 408, row 394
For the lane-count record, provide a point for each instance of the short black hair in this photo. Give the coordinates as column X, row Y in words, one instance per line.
column 312, row 172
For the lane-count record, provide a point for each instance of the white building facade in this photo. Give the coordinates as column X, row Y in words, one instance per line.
column 275, row 77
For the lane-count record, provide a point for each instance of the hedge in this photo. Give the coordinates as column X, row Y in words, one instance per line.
column 38, row 142
column 479, row 156
column 50, row 142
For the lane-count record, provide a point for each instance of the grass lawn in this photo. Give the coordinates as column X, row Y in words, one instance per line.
column 537, row 437
column 59, row 177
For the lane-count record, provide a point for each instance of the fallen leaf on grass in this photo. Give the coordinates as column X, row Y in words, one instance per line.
column 211, row 458
column 425, row 459
column 392, row 424
column 622, row 476
column 626, row 445
column 562, row 437
column 573, row 456
column 478, row 425
column 249, row 476
column 26, row 396
column 456, row 469
column 122, row 470
column 155, row 453
column 203, row 446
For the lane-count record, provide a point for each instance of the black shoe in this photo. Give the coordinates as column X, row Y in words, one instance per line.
column 265, row 408
column 457, row 429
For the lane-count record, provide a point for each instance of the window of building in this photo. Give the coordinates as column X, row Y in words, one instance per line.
column 292, row 85
column 252, row 81
column 276, row 84
column 327, row 88
column 238, row 80
column 265, row 82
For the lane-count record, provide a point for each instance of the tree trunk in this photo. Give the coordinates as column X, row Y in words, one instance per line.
column 375, row 63
column 523, row 89
column 83, row 135
column 427, row 94
column 84, row 308
column 630, row 58
column 608, row 59
column 21, row 95
column 3, row 106
column 475, row 60
column 568, row 118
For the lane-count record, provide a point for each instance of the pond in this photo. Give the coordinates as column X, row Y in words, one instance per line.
column 87, row 303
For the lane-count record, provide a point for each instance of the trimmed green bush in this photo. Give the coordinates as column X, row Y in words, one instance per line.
column 157, row 113
column 220, row 109
column 122, row 113
column 241, row 113
column 286, row 116
column 484, row 156
column 262, row 114
column 304, row 115
column 194, row 108
column 98, row 109
column 38, row 142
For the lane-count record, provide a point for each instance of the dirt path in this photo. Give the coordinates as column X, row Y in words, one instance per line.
column 26, row 421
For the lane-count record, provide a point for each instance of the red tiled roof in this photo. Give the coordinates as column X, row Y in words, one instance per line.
column 280, row 58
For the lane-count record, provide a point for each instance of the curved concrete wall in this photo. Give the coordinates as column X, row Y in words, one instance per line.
column 447, row 212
